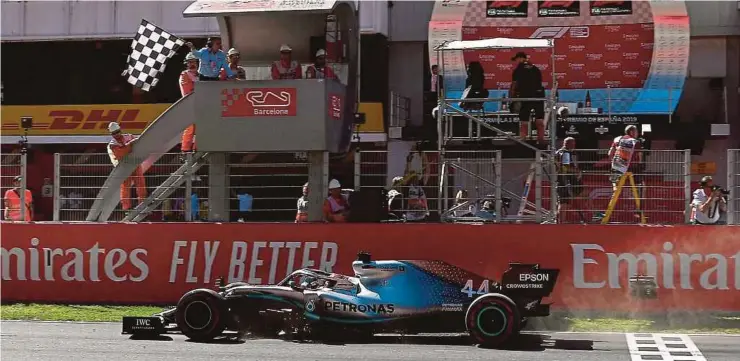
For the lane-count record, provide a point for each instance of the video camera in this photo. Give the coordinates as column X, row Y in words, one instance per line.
column 721, row 190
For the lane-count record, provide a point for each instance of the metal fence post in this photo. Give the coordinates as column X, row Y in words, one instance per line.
column 189, row 188
column 24, row 164
column 358, row 169
column 537, row 187
column 731, row 161
column 57, row 197
column 687, row 184
column 497, row 182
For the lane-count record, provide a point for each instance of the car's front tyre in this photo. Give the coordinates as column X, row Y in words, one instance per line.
column 492, row 320
column 201, row 315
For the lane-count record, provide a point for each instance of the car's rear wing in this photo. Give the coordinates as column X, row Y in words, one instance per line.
column 529, row 280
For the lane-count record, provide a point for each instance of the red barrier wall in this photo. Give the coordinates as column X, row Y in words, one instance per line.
column 698, row 268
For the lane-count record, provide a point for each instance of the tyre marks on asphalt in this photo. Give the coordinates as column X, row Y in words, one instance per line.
column 662, row 347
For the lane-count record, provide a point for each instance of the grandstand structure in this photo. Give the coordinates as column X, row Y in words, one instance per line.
column 257, row 115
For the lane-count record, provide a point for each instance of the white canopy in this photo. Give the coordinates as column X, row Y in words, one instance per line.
column 496, row 43
column 204, row 8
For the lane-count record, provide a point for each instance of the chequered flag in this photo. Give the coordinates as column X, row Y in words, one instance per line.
column 151, row 48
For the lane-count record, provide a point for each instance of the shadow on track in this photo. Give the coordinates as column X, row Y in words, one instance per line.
column 523, row 342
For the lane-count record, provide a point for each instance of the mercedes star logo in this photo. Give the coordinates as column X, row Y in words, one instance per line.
column 310, row 306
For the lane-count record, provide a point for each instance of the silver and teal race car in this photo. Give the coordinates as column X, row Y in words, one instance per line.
column 381, row 297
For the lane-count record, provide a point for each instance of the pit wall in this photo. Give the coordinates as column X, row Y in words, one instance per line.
column 697, row 267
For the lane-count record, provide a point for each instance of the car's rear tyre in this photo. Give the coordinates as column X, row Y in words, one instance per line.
column 201, row 315
column 492, row 320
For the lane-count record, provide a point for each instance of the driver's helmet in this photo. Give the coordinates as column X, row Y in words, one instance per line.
column 308, row 281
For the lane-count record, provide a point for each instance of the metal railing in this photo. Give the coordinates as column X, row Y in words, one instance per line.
column 273, row 183
column 400, row 110
column 663, row 182
column 476, row 186
column 11, row 166
column 481, row 186
column 733, row 185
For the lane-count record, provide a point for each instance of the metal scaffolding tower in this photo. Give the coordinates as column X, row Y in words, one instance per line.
column 448, row 108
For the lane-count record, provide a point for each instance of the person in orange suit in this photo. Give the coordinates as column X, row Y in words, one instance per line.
column 13, row 203
column 119, row 147
column 188, row 77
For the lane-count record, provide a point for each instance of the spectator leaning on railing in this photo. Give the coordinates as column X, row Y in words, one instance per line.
column 708, row 203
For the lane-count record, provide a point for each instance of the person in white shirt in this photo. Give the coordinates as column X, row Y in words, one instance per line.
column 707, row 204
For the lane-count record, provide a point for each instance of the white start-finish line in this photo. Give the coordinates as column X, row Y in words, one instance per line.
column 662, row 347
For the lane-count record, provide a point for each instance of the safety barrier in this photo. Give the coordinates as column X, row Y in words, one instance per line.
column 155, row 263
column 733, row 185
column 274, row 184
column 474, row 181
column 10, row 167
column 663, row 185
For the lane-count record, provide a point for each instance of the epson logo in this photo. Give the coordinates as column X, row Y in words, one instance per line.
column 612, row 47
column 594, row 74
column 612, row 65
column 631, row 74
column 534, row 277
column 613, row 28
column 505, row 30
column 613, row 83
column 594, row 56
column 646, row 45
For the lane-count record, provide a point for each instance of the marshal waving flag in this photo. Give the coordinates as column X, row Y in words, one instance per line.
column 151, row 48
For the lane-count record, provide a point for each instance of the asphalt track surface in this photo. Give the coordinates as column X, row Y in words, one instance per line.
column 24, row 341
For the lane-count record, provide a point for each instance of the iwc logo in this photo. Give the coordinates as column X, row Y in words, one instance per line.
column 310, row 306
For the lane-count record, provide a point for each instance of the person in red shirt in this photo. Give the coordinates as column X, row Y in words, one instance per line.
column 13, row 203
column 188, row 77
column 319, row 70
column 336, row 206
column 286, row 67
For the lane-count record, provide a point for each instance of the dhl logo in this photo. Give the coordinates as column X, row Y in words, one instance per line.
column 89, row 119
column 557, row 4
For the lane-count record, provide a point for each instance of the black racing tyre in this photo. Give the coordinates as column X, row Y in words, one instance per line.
column 492, row 320
column 201, row 315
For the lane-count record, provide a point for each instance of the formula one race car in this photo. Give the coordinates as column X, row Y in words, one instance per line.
column 383, row 296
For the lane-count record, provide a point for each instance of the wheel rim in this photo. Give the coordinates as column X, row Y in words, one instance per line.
column 494, row 316
column 198, row 315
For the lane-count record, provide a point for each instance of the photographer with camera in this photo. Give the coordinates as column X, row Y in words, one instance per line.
column 708, row 203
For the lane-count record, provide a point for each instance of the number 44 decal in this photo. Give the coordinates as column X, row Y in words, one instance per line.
column 482, row 290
